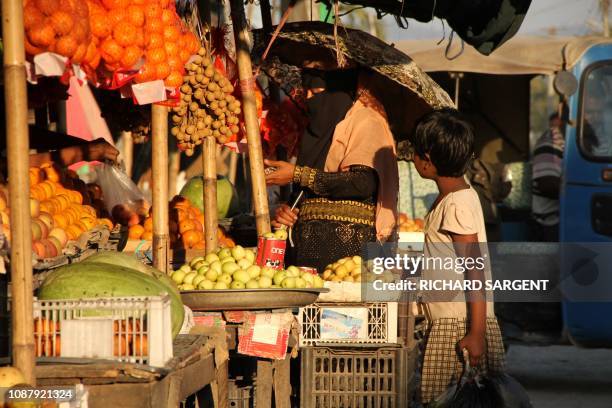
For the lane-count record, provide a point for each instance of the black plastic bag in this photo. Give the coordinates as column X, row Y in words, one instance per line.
column 512, row 394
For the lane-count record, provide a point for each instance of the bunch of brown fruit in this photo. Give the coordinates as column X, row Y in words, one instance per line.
column 207, row 106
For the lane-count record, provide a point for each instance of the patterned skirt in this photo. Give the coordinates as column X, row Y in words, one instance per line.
column 441, row 364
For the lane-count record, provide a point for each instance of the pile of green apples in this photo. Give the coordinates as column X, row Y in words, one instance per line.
column 235, row 269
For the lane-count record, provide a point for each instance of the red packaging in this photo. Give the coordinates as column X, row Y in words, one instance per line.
column 271, row 252
column 309, row 269
column 235, row 316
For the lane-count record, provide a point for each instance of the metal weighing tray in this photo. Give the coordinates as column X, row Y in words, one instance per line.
column 250, row 299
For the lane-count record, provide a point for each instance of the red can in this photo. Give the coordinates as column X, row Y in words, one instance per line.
column 271, row 252
column 309, row 269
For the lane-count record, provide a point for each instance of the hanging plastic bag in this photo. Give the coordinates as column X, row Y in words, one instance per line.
column 119, row 190
column 512, row 394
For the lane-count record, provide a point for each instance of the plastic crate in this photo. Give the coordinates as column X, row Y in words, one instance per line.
column 364, row 378
column 127, row 329
column 348, row 323
column 240, row 396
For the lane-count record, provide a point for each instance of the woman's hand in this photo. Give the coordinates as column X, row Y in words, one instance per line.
column 284, row 216
column 475, row 345
column 283, row 174
column 100, row 150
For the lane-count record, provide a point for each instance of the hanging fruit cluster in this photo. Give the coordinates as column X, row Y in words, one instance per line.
column 59, row 26
column 207, row 106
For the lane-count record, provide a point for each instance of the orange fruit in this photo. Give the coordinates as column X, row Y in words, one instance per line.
column 146, row 74
column 80, row 53
column 116, row 16
column 191, row 42
column 34, row 176
column 200, row 245
column 186, row 225
column 174, row 80
column 190, row 238
column 47, row 7
column 62, row 22
column 168, row 17
column 30, row 49
column 147, row 236
column 140, row 2
column 66, row 46
column 74, row 231
column 107, row 222
column 153, row 12
column 95, row 8
column 99, row 25
column 91, row 52
column 162, row 70
column 135, row 231
column 131, row 55
column 156, row 56
column 81, row 31
column 171, row 33
column 135, row 15
column 140, row 346
column 95, row 61
column 41, row 36
column 172, row 48
column 148, row 224
column 124, row 34
column 154, row 40
column 110, row 4
column 111, row 51
column 164, row 3
column 184, row 55
column 32, row 17
column 154, row 25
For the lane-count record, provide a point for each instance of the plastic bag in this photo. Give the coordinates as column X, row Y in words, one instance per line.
column 119, row 189
column 512, row 394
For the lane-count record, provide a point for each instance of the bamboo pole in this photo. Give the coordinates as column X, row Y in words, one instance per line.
column 19, row 187
column 159, row 179
column 209, row 164
column 233, row 167
column 128, row 151
column 174, row 168
column 249, row 107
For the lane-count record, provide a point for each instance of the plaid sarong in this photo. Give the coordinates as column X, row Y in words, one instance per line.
column 441, row 363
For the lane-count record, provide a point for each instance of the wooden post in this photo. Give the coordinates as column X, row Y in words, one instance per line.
column 17, row 142
column 174, row 168
column 128, row 151
column 249, row 107
column 159, row 180
column 209, row 164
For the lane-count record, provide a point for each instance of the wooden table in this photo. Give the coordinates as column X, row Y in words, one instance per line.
column 131, row 386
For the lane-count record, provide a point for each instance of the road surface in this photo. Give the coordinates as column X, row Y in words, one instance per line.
column 563, row 376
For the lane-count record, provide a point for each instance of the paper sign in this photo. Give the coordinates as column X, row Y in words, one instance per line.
column 266, row 328
column 149, row 92
column 49, row 64
column 344, row 323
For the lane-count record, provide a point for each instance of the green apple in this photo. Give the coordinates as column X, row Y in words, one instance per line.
column 300, row 283
column 293, row 271
column 225, row 278
column 241, row 275
column 178, row 276
column 281, row 233
column 308, row 277
column 349, row 265
column 341, row 272
column 254, row 271
column 230, row 267
column 252, row 284
column 196, row 260
column 318, row 282
column 206, row 285
column 221, row 285
column 244, row 263
column 250, row 256
column 189, row 278
column 229, row 259
column 279, row 276
column 237, row 285
column 269, row 235
column 224, row 253
column 210, row 258
column 288, row 283
column 188, row 286
column 238, row 252
column 185, row 268
column 275, row 286
column 212, row 275
column 357, row 259
column 197, row 280
column 203, row 269
column 269, row 272
column 264, row 282
column 342, row 261
column 216, row 265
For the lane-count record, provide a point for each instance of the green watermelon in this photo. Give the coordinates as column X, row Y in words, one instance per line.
column 227, row 198
column 96, row 280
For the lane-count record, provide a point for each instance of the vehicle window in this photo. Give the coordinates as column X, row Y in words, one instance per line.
column 596, row 117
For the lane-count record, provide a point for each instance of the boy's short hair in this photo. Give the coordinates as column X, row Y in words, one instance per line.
column 448, row 138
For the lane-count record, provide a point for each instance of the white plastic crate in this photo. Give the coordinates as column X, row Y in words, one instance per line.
column 348, row 323
column 128, row 329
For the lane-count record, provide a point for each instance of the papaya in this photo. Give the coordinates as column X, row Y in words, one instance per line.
column 96, row 280
column 227, row 198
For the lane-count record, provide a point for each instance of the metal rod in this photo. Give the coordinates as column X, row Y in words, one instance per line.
column 17, row 142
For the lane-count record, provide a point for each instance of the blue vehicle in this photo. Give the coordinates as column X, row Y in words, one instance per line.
column 494, row 92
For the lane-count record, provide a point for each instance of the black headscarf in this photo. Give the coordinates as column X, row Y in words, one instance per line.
column 325, row 110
